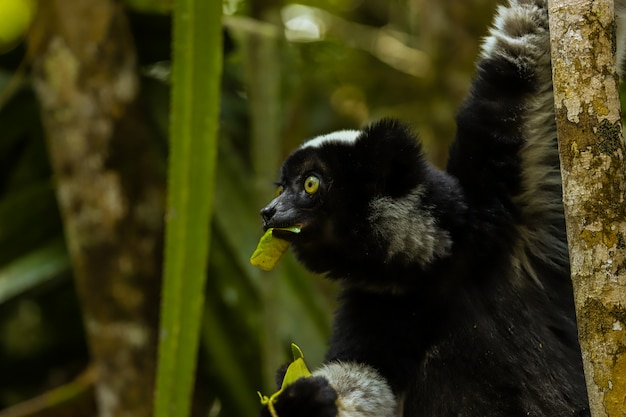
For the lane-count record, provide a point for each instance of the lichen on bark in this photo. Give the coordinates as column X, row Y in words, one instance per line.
column 109, row 186
column 594, row 190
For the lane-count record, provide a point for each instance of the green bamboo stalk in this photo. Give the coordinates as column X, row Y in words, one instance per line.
column 196, row 71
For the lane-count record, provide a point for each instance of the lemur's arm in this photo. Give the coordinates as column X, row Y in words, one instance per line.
column 509, row 108
column 505, row 154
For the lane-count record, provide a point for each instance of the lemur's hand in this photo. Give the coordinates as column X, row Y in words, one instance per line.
column 306, row 397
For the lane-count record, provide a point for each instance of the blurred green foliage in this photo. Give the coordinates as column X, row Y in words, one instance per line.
column 288, row 74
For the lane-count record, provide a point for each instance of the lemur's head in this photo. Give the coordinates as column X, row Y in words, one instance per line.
column 333, row 186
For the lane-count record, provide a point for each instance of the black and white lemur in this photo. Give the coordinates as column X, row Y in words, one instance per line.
column 456, row 298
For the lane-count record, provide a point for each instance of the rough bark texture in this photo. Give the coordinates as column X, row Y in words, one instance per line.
column 594, row 186
column 109, row 188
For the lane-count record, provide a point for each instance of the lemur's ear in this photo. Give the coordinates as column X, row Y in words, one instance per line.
column 394, row 156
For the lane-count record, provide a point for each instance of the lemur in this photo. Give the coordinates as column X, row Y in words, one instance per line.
column 455, row 291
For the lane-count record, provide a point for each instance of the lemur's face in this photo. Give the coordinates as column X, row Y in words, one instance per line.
column 302, row 199
column 297, row 202
column 317, row 193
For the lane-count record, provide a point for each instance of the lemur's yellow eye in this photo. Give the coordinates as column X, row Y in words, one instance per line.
column 311, row 184
column 279, row 190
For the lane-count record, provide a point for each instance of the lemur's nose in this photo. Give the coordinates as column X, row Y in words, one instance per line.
column 267, row 213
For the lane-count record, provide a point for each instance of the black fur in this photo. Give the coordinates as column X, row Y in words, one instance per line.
column 455, row 284
column 313, row 397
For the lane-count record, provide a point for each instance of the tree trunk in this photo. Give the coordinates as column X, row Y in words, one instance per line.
column 594, row 190
column 109, row 189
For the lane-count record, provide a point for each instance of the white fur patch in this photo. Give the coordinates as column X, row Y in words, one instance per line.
column 362, row 392
column 541, row 201
column 408, row 229
column 519, row 32
column 345, row 136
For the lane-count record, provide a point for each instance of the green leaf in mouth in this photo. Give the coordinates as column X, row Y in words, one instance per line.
column 270, row 249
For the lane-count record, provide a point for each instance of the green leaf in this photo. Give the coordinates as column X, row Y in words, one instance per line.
column 196, row 75
column 270, row 249
column 296, row 352
column 34, row 269
column 296, row 370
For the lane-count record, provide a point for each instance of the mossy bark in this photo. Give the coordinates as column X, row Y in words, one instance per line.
column 109, row 188
column 594, row 190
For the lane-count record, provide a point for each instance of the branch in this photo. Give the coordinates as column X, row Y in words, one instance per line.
column 109, row 187
column 594, row 190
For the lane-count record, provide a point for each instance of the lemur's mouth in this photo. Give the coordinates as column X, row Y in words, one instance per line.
column 287, row 233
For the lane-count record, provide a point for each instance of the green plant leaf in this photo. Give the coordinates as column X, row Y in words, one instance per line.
column 196, row 74
column 296, row 370
column 270, row 249
column 34, row 269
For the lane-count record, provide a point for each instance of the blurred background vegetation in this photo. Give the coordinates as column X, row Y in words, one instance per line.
column 290, row 71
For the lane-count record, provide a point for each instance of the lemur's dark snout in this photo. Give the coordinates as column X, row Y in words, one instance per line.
column 266, row 214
